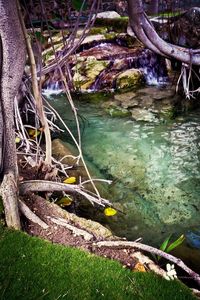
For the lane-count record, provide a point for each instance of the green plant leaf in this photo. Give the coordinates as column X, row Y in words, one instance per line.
column 175, row 244
column 165, row 243
column 77, row 4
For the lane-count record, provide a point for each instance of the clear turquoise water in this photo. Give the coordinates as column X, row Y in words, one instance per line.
column 155, row 169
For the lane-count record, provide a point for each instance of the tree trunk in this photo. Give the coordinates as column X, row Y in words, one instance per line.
column 12, row 67
column 146, row 33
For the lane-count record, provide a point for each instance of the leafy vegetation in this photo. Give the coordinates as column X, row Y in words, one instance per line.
column 35, row 269
column 167, row 246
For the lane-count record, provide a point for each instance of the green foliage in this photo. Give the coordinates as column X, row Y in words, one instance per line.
column 77, row 4
column 167, row 246
column 35, row 269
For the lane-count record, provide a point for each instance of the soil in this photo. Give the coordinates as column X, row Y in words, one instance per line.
column 61, row 235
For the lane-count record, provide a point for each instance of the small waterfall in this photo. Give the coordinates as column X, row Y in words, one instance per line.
column 52, row 88
column 153, row 67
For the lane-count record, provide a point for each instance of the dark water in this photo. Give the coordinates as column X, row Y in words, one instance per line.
column 155, row 169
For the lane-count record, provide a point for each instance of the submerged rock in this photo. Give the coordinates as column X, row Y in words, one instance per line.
column 140, row 114
column 129, row 78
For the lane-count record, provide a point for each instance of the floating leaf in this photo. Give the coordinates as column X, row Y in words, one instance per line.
column 176, row 243
column 109, row 211
column 70, row 180
column 17, row 140
column 64, row 201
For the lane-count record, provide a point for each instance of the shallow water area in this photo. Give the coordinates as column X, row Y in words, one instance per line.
column 155, row 168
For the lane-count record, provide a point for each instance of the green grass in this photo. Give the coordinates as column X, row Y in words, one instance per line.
column 31, row 268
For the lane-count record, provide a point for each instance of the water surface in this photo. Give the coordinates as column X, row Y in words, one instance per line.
column 155, row 168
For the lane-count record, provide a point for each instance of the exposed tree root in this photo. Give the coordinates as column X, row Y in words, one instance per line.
column 9, row 196
column 150, row 249
column 31, row 216
column 76, row 231
column 50, row 186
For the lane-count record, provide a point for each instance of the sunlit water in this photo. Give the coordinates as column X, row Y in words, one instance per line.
column 155, row 170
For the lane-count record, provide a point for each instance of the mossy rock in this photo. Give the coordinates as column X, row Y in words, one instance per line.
column 116, row 24
column 86, row 72
column 98, row 30
column 95, row 98
column 129, row 78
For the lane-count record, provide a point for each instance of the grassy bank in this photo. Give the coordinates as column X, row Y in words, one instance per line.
column 31, row 268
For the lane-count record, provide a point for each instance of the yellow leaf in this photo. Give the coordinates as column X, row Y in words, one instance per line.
column 17, row 140
column 33, row 132
column 37, row 132
column 70, row 180
column 64, row 201
column 139, row 267
column 109, row 211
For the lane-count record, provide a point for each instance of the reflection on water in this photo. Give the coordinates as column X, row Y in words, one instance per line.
column 155, row 168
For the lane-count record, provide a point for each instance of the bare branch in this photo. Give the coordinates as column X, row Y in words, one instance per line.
column 150, row 249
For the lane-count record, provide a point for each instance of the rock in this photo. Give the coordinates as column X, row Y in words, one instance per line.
column 125, row 96
column 146, row 101
column 129, row 78
column 87, row 71
column 98, row 30
column 140, row 114
column 108, row 15
column 118, row 112
column 61, row 149
column 127, row 100
column 91, row 38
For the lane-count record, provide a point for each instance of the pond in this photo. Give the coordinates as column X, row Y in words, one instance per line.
column 155, row 168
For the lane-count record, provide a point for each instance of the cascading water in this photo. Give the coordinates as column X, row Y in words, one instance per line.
column 117, row 59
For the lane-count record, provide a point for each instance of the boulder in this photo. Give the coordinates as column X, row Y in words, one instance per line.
column 140, row 114
column 129, row 78
column 108, row 15
column 86, row 72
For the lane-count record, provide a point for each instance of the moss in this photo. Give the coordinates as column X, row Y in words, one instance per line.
column 110, row 35
column 97, row 97
column 129, row 78
column 116, row 24
column 98, row 30
column 35, row 269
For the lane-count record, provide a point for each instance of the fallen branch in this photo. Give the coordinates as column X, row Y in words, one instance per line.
column 76, row 231
column 50, row 186
column 31, row 216
column 150, row 249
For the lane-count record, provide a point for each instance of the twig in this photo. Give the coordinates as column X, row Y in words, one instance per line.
column 36, row 92
column 150, row 249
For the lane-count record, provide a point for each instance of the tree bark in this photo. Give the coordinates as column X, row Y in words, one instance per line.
column 12, row 67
